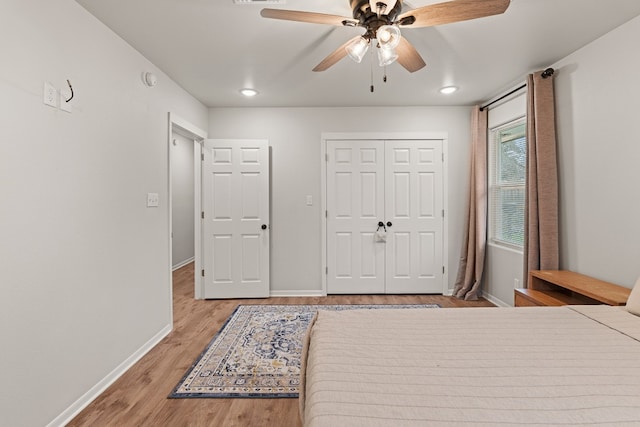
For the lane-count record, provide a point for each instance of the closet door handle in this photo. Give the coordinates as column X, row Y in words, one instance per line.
column 263, row 226
column 389, row 224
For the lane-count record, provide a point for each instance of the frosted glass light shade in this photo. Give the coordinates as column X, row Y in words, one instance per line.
column 388, row 36
column 386, row 56
column 357, row 49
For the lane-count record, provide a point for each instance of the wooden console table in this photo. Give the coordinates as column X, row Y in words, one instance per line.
column 561, row 287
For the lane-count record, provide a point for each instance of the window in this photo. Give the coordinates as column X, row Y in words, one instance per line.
column 507, row 167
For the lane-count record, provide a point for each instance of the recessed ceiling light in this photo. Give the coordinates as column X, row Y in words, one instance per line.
column 248, row 92
column 449, row 90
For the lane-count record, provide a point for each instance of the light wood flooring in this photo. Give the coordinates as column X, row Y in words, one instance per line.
column 139, row 397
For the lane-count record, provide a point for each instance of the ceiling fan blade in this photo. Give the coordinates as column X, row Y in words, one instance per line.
column 312, row 17
column 408, row 56
column 454, row 11
column 334, row 56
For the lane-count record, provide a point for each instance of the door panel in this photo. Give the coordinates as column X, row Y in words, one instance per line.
column 355, row 261
column 414, row 206
column 426, row 191
column 401, row 253
column 222, row 259
column 343, row 261
column 236, row 205
column 401, row 195
column 427, row 248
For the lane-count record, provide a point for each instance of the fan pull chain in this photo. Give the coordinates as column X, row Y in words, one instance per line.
column 372, row 88
column 384, row 77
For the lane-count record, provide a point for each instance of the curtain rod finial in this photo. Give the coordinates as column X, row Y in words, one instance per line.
column 548, row 73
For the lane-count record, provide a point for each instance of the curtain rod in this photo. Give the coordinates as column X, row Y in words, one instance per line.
column 546, row 73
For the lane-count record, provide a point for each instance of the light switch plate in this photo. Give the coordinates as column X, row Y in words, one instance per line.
column 309, row 200
column 153, row 200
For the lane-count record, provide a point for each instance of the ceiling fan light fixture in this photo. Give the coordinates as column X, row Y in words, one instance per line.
column 388, row 36
column 373, row 15
column 357, row 49
column 248, row 92
column 386, row 56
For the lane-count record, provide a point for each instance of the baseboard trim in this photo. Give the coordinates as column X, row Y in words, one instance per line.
column 495, row 300
column 183, row 263
column 84, row 401
column 296, row 293
column 486, row 296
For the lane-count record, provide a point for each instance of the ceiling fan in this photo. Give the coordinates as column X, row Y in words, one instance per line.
column 382, row 20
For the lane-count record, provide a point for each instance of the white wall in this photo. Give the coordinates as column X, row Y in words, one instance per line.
column 597, row 93
column 503, row 266
column 182, row 194
column 84, row 265
column 294, row 135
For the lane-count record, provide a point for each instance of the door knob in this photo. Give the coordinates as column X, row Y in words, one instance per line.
column 380, row 224
column 263, row 226
column 389, row 224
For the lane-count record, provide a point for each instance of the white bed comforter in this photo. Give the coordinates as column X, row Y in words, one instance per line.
column 523, row 366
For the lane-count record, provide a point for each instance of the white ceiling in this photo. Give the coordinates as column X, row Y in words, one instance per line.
column 212, row 48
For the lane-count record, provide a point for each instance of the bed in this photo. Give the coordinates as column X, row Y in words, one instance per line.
column 572, row 365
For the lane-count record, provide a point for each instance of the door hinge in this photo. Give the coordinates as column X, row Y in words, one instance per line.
column 202, row 157
column 202, row 215
column 326, row 157
column 442, row 213
column 326, row 214
column 202, row 273
column 443, row 269
column 443, row 157
column 326, row 270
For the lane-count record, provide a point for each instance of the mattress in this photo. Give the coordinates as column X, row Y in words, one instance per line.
column 525, row 366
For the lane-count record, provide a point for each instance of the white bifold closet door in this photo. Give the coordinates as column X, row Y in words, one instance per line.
column 396, row 183
column 235, row 187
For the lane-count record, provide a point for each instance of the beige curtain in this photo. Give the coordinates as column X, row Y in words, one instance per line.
column 471, row 264
column 541, row 250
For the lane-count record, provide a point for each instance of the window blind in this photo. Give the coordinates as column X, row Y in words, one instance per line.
column 507, row 184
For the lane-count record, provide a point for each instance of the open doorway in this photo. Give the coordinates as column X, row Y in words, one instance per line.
column 184, row 148
column 182, row 201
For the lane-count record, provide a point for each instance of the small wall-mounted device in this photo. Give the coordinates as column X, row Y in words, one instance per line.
column 149, row 79
column 153, row 200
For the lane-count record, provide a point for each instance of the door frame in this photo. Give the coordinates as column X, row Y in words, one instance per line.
column 384, row 136
column 183, row 127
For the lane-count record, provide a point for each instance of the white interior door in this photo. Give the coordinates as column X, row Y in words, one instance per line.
column 401, row 184
column 235, row 186
column 355, row 205
column 414, row 217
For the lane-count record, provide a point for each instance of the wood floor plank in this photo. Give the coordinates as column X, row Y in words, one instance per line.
column 139, row 397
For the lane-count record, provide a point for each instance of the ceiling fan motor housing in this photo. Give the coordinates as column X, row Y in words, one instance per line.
column 369, row 19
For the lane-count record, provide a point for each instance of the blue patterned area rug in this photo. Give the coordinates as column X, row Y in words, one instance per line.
column 257, row 352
